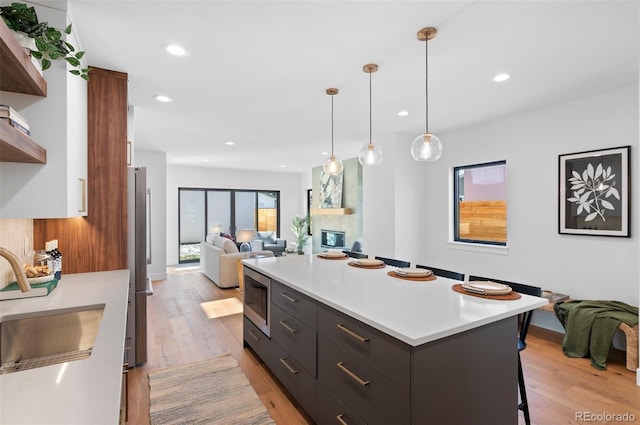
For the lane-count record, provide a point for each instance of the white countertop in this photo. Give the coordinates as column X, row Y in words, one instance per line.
column 413, row 312
column 79, row 392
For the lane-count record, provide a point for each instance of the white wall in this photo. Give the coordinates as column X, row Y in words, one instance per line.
column 581, row 266
column 156, row 163
column 292, row 187
column 407, row 205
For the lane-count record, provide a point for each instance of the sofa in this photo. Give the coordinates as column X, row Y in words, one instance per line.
column 267, row 241
column 219, row 257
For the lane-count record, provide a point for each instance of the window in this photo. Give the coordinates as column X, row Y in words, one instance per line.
column 203, row 211
column 480, row 203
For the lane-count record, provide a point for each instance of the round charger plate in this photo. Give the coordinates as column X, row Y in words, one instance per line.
column 368, row 262
column 513, row 295
column 362, row 266
column 332, row 257
column 427, row 278
column 413, row 272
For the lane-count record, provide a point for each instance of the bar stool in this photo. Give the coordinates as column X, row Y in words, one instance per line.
column 444, row 273
column 524, row 320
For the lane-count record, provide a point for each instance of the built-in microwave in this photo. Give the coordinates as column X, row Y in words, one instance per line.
column 257, row 295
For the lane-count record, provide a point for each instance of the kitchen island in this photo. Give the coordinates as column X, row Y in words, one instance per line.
column 359, row 346
column 84, row 391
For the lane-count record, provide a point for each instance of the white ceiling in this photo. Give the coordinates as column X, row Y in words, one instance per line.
column 258, row 71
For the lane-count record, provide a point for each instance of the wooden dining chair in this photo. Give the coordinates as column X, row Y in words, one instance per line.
column 395, row 263
column 524, row 320
column 358, row 255
column 444, row 273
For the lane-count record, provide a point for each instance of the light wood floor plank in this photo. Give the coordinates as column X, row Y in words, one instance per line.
column 180, row 332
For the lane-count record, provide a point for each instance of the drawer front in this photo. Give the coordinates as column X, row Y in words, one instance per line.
column 258, row 341
column 296, row 338
column 296, row 304
column 331, row 411
column 293, row 376
column 371, row 396
column 381, row 352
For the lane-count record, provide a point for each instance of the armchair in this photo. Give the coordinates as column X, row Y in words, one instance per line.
column 267, row 241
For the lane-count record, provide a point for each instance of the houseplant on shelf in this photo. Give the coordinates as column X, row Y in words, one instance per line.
column 299, row 227
column 48, row 43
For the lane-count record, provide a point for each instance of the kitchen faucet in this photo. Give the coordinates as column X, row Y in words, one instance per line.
column 21, row 276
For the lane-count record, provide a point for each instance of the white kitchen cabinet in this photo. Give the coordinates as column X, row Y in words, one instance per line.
column 56, row 189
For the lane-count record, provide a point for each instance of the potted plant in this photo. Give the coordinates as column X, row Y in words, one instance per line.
column 299, row 227
column 48, row 43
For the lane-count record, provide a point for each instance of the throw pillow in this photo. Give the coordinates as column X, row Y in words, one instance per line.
column 210, row 238
column 229, row 246
column 267, row 237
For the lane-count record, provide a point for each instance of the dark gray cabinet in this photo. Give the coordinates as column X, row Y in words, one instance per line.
column 343, row 371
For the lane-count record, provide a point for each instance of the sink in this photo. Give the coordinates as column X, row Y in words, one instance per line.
column 40, row 339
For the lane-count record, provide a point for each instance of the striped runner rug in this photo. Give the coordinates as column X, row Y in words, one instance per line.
column 212, row 391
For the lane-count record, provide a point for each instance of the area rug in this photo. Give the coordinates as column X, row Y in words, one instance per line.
column 212, row 391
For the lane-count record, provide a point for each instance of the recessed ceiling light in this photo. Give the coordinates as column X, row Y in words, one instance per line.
column 162, row 98
column 283, row 166
column 229, row 143
column 403, row 113
column 205, row 160
column 501, row 77
column 324, row 153
column 175, row 49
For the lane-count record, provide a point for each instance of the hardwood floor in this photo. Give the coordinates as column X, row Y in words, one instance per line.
column 180, row 331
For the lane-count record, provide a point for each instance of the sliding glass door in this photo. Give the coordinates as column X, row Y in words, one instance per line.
column 204, row 211
column 191, row 220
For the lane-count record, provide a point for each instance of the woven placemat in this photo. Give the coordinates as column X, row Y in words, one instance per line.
column 360, row 266
column 346, row 257
column 513, row 295
column 413, row 278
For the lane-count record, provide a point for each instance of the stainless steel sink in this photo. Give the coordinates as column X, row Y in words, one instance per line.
column 39, row 339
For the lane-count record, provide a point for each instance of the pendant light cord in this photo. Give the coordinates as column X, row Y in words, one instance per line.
column 426, row 85
column 370, row 108
column 331, row 125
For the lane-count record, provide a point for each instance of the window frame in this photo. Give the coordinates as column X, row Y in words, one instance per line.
column 456, row 205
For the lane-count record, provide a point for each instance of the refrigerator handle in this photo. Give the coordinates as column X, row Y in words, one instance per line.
column 149, row 245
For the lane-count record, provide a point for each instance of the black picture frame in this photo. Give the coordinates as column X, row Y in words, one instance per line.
column 309, row 207
column 594, row 193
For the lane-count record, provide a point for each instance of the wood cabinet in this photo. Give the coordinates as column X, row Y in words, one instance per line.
column 58, row 121
column 99, row 241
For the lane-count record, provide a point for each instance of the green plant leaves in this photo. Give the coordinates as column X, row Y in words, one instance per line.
column 49, row 41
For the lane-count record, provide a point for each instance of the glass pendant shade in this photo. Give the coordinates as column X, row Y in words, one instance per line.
column 426, row 147
column 370, row 155
column 333, row 165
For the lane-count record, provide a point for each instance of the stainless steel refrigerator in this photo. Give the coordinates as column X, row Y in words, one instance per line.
column 139, row 249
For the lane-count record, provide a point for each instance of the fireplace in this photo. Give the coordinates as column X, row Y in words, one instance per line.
column 332, row 239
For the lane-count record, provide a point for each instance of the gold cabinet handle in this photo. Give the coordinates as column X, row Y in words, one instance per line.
column 340, row 419
column 288, row 366
column 83, row 195
column 288, row 298
column 352, row 375
column 352, row 333
column 253, row 335
column 287, row 327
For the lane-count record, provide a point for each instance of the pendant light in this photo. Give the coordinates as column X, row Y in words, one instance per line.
column 426, row 147
column 332, row 165
column 370, row 154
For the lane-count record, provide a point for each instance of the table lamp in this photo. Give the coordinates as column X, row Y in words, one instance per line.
column 245, row 236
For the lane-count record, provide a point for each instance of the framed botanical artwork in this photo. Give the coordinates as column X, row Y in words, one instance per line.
column 594, row 194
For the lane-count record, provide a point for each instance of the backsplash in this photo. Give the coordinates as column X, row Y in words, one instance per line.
column 12, row 234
